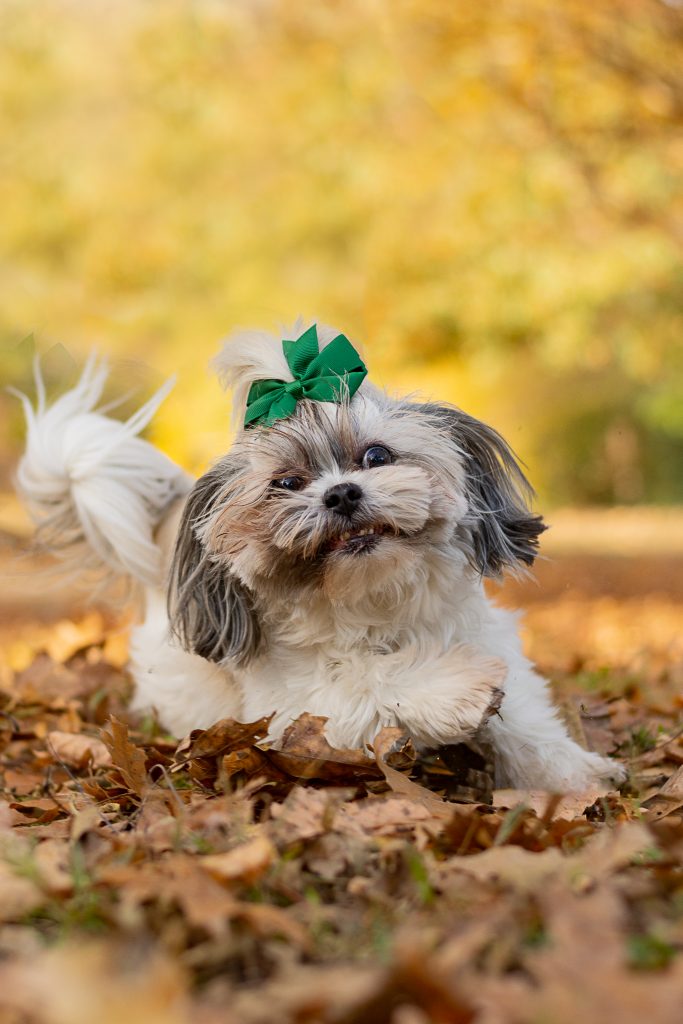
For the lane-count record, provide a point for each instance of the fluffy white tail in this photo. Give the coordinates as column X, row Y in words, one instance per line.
column 95, row 490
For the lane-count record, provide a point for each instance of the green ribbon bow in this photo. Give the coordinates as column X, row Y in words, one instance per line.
column 323, row 376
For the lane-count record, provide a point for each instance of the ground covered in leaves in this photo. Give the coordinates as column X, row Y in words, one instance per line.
column 217, row 880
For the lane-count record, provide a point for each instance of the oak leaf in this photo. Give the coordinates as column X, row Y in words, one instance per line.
column 125, row 756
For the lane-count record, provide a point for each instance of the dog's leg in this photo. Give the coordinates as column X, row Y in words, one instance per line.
column 533, row 748
column 185, row 690
column 445, row 699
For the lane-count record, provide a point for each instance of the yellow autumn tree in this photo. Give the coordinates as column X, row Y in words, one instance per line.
column 486, row 195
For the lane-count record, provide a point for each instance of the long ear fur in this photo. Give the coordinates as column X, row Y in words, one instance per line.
column 212, row 613
column 503, row 531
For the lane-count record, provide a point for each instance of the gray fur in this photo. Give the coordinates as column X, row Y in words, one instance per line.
column 502, row 531
column 212, row 613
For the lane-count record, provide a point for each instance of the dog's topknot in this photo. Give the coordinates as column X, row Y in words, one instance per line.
column 249, row 355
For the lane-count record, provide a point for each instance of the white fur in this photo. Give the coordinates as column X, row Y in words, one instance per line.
column 186, row 691
column 94, row 489
column 415, row 642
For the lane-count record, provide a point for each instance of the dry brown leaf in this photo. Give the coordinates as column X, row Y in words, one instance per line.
column 245, row 863
column 249, row 761
column 305, row 814
column 177, row 879
column 23, row 783
column 510, row 866
column 413, row 982
column 86, row 820
column 18, row 896
column 54, row 829
column 390, row 815
column 567, row 806
column 125, row 756
column 305, row 753
column 667, row 747
column 266, row 920
column 306, row 736
column 203, row 901
column 383, row 744
column 613, row 849
column 668, row 799
column 77, row 749
column 221, row 738
column 40, row 811
column 580, row 972
column 601, row 855
column 316, row 994
column 84, row 982
column 53, row 864
column 46, row 680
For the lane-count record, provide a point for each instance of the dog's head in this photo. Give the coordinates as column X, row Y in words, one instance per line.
column 347, row 500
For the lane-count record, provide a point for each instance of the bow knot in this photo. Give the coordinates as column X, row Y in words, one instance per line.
column 321, row 376
column 295, row 388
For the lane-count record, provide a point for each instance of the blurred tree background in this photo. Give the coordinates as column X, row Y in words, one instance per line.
column 487, row 196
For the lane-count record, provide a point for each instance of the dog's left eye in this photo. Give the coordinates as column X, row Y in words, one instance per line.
column 377, row 455
column 289, row 483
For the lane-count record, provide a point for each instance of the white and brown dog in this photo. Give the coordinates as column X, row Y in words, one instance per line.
column 331, row 562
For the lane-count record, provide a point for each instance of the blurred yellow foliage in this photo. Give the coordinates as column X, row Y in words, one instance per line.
column 484, row 195
column 21, row 642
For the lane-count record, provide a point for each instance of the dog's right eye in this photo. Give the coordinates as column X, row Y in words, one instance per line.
column 288, row 483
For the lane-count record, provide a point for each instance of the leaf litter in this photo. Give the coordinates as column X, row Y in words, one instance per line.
column 217, row 879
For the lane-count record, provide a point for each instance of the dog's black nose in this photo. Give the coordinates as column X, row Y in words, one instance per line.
column 343, row 498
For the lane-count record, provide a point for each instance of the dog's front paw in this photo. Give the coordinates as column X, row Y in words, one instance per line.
column 458, row 700
column 594, row 770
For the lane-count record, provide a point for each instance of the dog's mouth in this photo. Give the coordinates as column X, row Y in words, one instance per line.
column 363, row 539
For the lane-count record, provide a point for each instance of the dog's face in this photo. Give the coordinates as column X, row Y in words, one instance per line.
column 347, row 503
column 338, row 499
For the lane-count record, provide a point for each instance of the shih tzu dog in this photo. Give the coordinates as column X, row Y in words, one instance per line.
column 333, row 561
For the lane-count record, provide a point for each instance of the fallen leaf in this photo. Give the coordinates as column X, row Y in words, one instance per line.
column 245, row 863
column 79, row 983
column 18, row 896
column 53, row 865
column 601, row 855
column 268, row 920
column 305, row 814
column 125, row 756
column 667, row 747
column 40, row 812
column 46, row 680
column 567, row 806
column 383, row 744
column 86, row 820
column 579, row 973
column 668, row 799
column 221, row 738
column 306, row 736
column 251, row 762
column 316, row 994
column 393, row 815
column 23, row 783
column 510, row 865
column 78, row 749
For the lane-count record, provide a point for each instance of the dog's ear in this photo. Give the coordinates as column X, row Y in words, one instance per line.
column 212, row 613
column 503, row 532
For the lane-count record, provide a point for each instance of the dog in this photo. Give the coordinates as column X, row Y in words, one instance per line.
column 331, row 562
